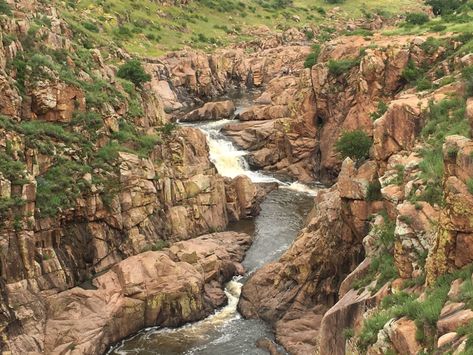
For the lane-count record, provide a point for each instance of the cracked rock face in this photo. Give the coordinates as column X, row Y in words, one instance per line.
column 171, row 287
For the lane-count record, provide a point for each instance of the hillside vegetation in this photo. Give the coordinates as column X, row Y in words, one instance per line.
column 148, row 28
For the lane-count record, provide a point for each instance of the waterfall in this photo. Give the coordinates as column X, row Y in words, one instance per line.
column 230, row 161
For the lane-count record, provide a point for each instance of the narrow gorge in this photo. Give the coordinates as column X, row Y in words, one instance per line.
column 236, row 177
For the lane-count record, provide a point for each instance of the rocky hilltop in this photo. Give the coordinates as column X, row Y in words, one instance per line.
column 113, row 216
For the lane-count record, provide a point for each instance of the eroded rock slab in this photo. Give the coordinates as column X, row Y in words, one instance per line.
column 169, row 288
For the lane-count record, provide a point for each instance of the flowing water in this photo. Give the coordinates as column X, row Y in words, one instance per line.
column 226, row 332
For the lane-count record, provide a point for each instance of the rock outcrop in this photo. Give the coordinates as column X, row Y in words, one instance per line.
column 211, row 111
column 171, row 287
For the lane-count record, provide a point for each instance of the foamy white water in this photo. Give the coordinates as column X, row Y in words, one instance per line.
column 230, row 161
column 301, row 188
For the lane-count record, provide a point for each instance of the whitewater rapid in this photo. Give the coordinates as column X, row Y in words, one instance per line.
column 231, row 162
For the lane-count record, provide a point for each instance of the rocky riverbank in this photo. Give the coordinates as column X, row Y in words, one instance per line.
column 100, row 187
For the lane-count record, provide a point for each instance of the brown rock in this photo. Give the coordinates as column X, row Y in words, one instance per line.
column 211, row 111
column 352, row 182
column 303, row 283
column 153, row 288
column 446, row 339
column 463, row 249
column 453, row 321
column 398, row 128
column 403, row 337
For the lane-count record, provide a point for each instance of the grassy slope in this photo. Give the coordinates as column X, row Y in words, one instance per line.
column 146, row 28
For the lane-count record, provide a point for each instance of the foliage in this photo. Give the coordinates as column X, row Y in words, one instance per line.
column 13, row 170
column 373, row 193
column 417, row 18
column 380, row 111
column 60, row 186
column 443, row 7
column 354, row 144
column 339, row 67
column 425, row 312
column 313, row 56
column 467, row 75
column 411, row 72
column 5, row 8
column 134, row 72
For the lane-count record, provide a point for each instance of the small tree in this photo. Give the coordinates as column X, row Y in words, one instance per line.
column 354, row 144
column 134, row 72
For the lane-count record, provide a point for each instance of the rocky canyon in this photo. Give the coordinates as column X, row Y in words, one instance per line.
column 297, row 178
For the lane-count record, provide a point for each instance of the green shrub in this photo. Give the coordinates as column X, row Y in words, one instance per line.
column 5, row 8
column 313, row 56
column 467, row 75
column 469, row 185
column 445, row 7
column 13, row 170
column 354, row 144
column 60, row 186
column 338, row 67
column 411, row 72
column 373, row 192
column 134, row 72
column 92, row 27
column 348, row 333
column 381, row 110
column 437, row 27
column 423, row 84
column 417, row 18
column 168, row 128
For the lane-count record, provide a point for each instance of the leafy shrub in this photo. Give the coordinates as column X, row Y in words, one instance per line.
column 5, row 8
column 467, row 75
column 381, row 110
column 338, row 67
column 60, row 186
column 354, row 144
column 443, row 7
column 411, row 72
column 313, row 56
column 469, row 185
column 92, row 27
column 423, row 84
column 13, row 170
column 437, row 27
column 373, row 193
column 168, row 128
column 417, row 18
column 134, row 72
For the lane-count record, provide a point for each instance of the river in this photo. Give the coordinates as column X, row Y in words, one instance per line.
column 226, row 332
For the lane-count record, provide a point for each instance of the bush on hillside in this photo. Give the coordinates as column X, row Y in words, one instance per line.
column 354, row 144
column 339, row 67
column 5, row 8
column 411, row 72
column 417, row 18
column 467, row 75
column 444, row 7
column 134, row 72
column 312, row 58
